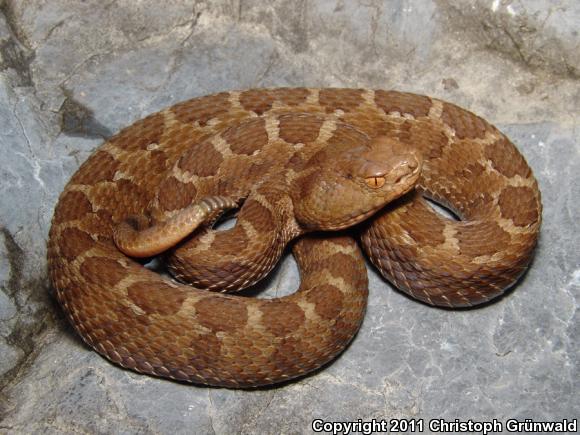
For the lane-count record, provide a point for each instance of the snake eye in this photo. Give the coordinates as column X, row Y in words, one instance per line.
column 375, row 182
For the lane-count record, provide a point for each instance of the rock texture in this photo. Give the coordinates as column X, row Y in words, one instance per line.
column 72, row 73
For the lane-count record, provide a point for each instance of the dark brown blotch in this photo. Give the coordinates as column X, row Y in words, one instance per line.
column 131, row 194
column 206, row 349
column 222, row 313
column 347, row 135
column 101, row 166
column 466, row 124
column 104, row 271
column 289, row 354
column 156, row 297
column 328, row 301
column 282, row 318
column 520, row 205
column 428, row 139
column 251, row 171
column 506, row 159
column 339, row 264
column 74, row 243
column 402, row 130
column 141, row 134
column 392, row 101
column 100, row 225
column 230, row 242
column 291, row 97
column 296, row 128
column 202, row 109
column 73, row 205
column 175, row 195
column 257, row 101
column 423, row 224
column 248, row 137
column 203, row 160
column 258, row 215
column 477, row 205
column 340, row 99
column 485, row 238
column 105, row 220
column 156, row 162
column 471, row 172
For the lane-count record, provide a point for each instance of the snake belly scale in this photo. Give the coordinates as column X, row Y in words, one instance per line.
column 295, row 162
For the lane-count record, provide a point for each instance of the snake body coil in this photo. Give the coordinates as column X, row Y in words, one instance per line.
column 295, row 161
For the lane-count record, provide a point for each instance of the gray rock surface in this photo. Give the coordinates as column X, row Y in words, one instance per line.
column 73, row 73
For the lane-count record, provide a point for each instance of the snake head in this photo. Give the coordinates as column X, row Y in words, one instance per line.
column 344, row 184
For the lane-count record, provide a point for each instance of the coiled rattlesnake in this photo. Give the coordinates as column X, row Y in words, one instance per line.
column 296, row 161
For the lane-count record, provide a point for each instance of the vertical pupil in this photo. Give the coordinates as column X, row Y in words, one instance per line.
column 376, row 181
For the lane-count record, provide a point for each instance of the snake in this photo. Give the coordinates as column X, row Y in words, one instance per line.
column 309, row 169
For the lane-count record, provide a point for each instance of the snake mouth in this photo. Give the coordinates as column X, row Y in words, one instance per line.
column 408, row 172
column 403, row 177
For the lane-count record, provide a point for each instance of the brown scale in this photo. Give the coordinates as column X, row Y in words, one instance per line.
column 392, row 101
column 202, row 110
column 293, row 161
column 519, row 204
column 340, row 99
